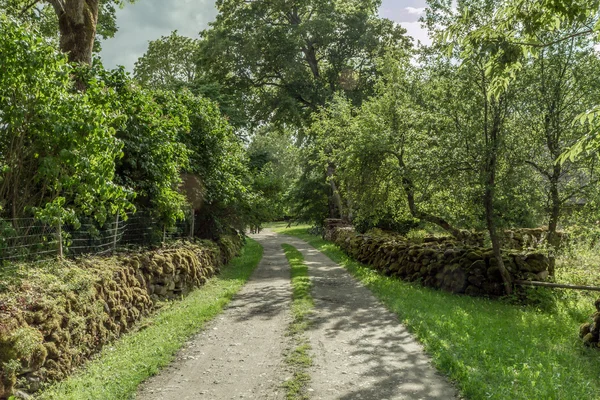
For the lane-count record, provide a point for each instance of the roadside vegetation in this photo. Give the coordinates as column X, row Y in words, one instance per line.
column 298, row 358
column 312, row 110
column 493, row 349
column 118, row 370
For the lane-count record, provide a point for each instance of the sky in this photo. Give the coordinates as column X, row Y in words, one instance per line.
column 148, row 20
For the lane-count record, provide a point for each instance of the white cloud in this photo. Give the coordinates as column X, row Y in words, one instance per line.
column 148, row 20
column 415, row 30
column 413, row 10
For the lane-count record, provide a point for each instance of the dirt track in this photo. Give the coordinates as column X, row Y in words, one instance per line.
column 360, row 350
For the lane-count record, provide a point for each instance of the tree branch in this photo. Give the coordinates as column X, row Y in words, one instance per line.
column 557, row 41
column 28, row 7
column 538, row 169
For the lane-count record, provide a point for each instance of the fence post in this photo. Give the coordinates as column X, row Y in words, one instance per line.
column 164, row 233
column 60, row 241
column 192, row 224
column 116, row 233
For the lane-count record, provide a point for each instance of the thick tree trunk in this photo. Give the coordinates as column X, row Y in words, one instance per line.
column 77, row 20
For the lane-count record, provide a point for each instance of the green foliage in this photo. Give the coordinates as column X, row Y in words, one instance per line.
column 169, row 62
column 152, row 155
column 67, row 155
column 309, row 196
column 58, row 147
column 519, row 31
column 436, row 139
column 218, row 160
column 282, row 60
column 273, row 167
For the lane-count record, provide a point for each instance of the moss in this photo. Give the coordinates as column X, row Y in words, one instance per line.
column 62, row 313
column 584, row 330
column 589, row 339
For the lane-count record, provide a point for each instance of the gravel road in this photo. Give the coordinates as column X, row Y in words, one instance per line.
column 359, row 348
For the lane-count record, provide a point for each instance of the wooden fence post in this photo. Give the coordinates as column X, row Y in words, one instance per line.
column 192, row 224
column 60, row 240
column 116, row 233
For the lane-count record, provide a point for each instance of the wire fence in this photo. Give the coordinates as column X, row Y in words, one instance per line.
column 27, row 239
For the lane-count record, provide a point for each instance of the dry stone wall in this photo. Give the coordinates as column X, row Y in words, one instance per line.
column 440, row 263
column 58, row 316
column 590, row 331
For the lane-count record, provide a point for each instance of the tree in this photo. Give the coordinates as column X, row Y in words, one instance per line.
column 490, row 110
column 273, row 166
column 401, row 156
column 556, row 86
column 169, row 62
column 57, row 147
column 153, row 156
column 524, row 29
column 218, row 160
column 285, row 59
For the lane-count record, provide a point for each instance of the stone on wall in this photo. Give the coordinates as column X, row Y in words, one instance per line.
column 590, row 332
column 56, row 319
column 442, row 263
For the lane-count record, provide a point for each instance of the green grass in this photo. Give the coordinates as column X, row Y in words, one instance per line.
column 298, row 358
column 120, row 368
column 492, row 349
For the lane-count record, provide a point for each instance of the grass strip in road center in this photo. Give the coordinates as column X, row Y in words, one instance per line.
column 298, row 358
column 121, row 367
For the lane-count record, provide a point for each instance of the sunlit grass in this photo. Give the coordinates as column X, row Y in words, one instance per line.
column 492, row 349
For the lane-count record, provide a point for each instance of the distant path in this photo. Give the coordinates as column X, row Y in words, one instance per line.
column 360, row 349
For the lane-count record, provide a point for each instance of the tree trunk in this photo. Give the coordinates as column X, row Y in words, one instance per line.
column 310, row 56
column 415, row 212
column 336, row 210
column 491, row 225
column 77, row 20
column 409, row 188
column 555, row 209
column 492, row 138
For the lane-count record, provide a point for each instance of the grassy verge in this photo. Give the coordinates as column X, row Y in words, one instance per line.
column 298, row 358
column 493, row 350
column 120, row 368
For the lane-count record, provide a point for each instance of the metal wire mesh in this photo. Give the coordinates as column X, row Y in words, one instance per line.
column 27, row 239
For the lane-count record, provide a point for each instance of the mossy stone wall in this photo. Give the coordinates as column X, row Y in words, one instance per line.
column 445, row 264
column 54, row 317
column 590, row 332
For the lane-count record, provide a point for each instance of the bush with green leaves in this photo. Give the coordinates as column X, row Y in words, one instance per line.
column 68, row 155
column 58, row 146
